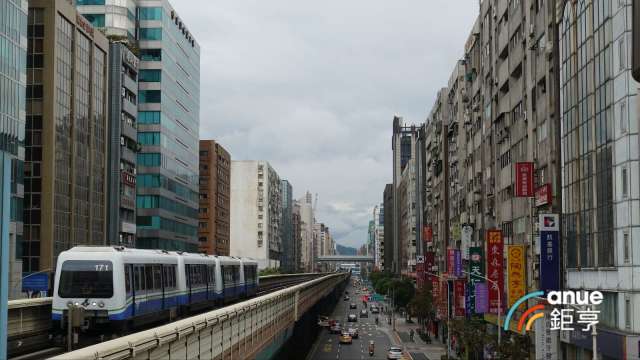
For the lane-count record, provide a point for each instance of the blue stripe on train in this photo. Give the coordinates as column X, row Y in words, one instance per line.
column 149, row 306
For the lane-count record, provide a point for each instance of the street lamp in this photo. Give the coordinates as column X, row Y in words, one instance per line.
column 493, row 282
column 448, row 311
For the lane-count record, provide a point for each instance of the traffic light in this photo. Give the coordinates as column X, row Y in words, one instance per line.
column 635, row 47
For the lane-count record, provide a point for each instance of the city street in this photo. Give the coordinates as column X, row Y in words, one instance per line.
column 328, row 345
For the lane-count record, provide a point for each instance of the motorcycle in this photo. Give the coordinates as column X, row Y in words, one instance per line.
column 371, row 348
column 376, row 321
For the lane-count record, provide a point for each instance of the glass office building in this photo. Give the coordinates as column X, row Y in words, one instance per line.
column 13, row 55
column 168, row 130
column 114, row 17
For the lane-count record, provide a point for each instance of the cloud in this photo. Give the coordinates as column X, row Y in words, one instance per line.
column 312, row 87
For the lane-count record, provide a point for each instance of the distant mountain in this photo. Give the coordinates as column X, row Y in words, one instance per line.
column 345, row 250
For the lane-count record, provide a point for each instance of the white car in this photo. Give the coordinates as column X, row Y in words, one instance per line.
column 394, row 353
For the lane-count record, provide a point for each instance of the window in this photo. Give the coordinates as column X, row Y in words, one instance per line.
column 625, row 182
column 149, row 138
column 149, row 96
column 86, row 279
column 621, row 55
column 627, row 246
column 609, row 309
column 151, row 54
column 97, row 20
column 149, row 117
column 149, row 159
column 89, row 2
column 203, row 225
column 623, row 117
column 150, row 75
column 627, row 313
column 150, row 33
column 150, row 13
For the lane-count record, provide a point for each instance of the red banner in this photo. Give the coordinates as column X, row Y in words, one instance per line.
column 495, row 271
column 443, row 308
column 427, row 234
column 458, row 296
column 524, row 179
column 543, row 195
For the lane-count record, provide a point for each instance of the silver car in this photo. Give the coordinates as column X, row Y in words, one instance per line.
column 394, row 353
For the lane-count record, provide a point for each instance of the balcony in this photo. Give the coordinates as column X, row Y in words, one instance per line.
column 503, row 73
column 503, row 39
column 129, row 107
column 128, row 130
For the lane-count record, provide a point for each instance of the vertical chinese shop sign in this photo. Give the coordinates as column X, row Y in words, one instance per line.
column 458, row 296
column 524, row 179
column 515, row 273
column 495, row 272
column 476, row 271
column 549, row 252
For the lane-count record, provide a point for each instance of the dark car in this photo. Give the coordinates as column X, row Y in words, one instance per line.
column 364, row 314
column 353, row 332
column 375, row 310
column 335, row 329
column 352, row 318
column 353, row 306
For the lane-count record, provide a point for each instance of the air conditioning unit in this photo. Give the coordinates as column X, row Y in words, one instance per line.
column 532, row 30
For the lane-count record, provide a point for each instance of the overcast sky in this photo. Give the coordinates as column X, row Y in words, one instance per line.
column 312, row 87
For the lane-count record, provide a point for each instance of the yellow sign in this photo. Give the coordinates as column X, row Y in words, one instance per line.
column 516, row 270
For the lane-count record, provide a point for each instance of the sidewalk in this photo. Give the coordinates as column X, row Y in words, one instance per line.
column 416, row 349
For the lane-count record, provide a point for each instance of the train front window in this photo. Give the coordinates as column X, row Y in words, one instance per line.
column 86, row 279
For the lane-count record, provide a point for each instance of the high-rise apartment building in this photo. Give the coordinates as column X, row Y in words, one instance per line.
column 215, row 199
column 168, row 129
column 13, row 45
column 378, row 224
column 388, row 226
column 307, row 221
column 403, row 144
column 296, row 234
column 407, row 223
column 289, row 246
column 122, row 145
column 256, row 212
column 67, row 134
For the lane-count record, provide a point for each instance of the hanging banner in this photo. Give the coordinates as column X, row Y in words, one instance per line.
column 476, row 272
column 549, row 252
column 482, row 298
column 543, row 195
column 429, row 262
column 524, row 179
column 427, row 234
column 451, row 261
column 457, row 263
column 458, row 295
column 516, row 285
column 495, row 272
column 444, row 300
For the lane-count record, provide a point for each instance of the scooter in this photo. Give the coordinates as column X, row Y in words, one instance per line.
column 371, row 348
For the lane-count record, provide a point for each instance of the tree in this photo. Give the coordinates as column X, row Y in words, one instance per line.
column 472, row 336
column 269, row 271
column 515, row 347
column 421, row 305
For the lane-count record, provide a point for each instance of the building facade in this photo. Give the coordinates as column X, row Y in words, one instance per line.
column 117, row 18
column 378, row 253
column 122, row 146
column 256, row 212
column 214, row 231
column 388, row 227
column 407, row 223
column 66, row 161
column 13, row 41
column 403, row 144
column 307, row 221
column 289, row 245
column 168, row 129
column 296, row 234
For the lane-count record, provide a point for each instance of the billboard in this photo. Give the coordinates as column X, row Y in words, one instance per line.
column 495, row 271
column 524, row 179
column 475, row 268
column 549, row 252
column 516, row 270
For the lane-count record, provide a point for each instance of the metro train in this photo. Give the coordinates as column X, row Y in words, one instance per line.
column 125, row 287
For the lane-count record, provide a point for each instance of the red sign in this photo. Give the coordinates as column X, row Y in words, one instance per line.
column 495, row 271
column 543, row 195
column 443, row 309
column 84, row 25
column 524, row 179
column 458, row 297
column 420, row 274
column 427, row 233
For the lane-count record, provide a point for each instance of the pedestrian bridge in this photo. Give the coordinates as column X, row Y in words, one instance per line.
column 252, row 329
column 345, row 258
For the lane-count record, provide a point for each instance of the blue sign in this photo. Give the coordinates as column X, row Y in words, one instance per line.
column 36, row 282
column 457, row 260
column 549, row 261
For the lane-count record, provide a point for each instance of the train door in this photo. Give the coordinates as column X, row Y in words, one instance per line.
column 139, row 288
column 130, row 292
column 188, row 276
